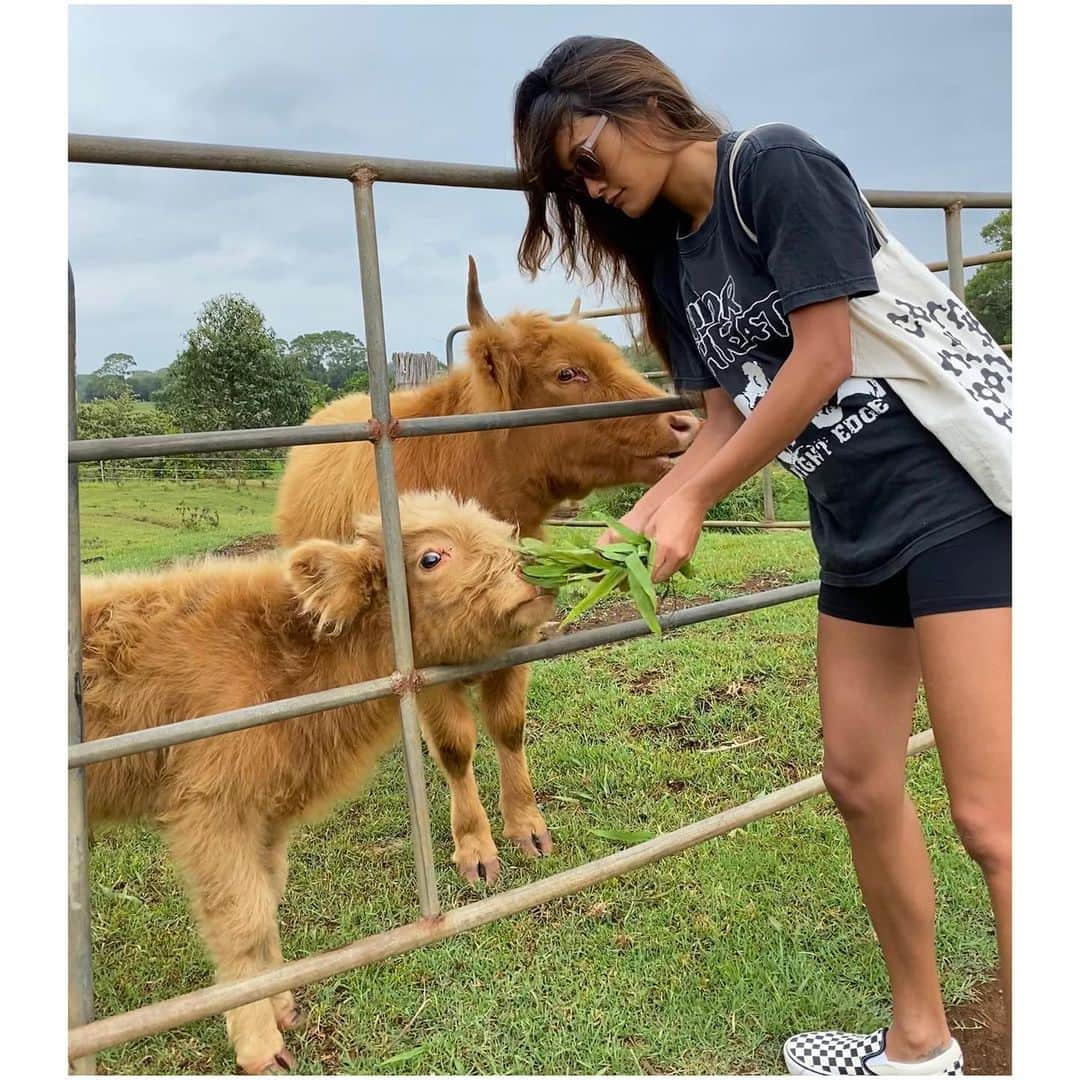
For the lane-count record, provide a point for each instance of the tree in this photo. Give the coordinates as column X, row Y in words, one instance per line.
column 329, row 357
column 641, row 356
column 144, row 384
column 109, row 380
column 356, row 383
column 117, row 364
column 118, row 416
column 989, row 292
column 233, row 374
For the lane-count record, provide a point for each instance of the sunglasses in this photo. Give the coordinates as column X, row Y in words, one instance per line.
column 584, row 164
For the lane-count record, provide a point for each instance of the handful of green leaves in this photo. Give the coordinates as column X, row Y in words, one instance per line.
column 625, row 566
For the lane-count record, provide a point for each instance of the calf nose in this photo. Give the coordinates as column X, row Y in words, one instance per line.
column 685, row 426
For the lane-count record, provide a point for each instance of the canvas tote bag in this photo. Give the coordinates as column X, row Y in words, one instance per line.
column 942, row 362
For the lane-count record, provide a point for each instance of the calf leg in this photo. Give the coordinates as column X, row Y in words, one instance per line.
column 450, row 729
column 223, row 860
column 276, row 860
column 502, row 702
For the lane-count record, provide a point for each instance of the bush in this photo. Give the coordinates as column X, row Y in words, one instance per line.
column 745, row 503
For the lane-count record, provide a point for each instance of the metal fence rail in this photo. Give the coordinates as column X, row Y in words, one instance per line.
column 87, row 1036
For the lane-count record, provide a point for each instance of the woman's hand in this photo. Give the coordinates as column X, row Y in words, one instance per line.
column 675, row 528
column 636, row 518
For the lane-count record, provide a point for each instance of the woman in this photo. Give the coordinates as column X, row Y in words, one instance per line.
column 915, row 559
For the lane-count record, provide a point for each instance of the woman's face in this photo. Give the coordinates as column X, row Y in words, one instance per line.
column 634, row 173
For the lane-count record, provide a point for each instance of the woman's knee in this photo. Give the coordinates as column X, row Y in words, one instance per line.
column 861, row 793
column 986, row 836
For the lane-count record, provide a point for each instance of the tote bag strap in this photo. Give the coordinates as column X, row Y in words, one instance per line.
column 875, row 222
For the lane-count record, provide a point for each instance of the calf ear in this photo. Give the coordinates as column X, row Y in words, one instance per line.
column 496, row 369
column 335, row 583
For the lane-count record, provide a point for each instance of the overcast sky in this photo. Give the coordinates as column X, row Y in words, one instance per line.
column 910, row 97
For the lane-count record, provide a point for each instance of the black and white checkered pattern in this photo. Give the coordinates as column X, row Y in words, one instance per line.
column 838, row 1053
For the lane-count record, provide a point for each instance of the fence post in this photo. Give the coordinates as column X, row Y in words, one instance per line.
column 80, row 974
column 954, row 248
column 414, row 369
column 767, row 493
column 371, row 290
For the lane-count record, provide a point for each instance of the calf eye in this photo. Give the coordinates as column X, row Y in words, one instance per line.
column 430, row 559
column 566, row 374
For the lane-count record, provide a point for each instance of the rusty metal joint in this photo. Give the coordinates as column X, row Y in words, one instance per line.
column 364, row 175
column 394, row 430
column 402, row 684
column 374, row 429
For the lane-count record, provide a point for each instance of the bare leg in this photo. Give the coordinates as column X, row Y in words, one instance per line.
column 235, row 905
column 970, row 706
column 868, row 678
column 502, row 700
column 450, row 729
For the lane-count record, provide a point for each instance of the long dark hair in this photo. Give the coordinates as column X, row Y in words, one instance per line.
column 588, row 76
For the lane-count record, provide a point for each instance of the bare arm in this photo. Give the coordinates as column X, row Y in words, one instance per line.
column 820, row 361
column 721, row 423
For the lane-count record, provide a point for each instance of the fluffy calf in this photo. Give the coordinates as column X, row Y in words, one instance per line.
column 524, row 361
column 224, row 634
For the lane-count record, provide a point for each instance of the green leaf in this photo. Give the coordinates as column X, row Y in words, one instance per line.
column 617, row 552
column 646, row 604
column 687, row 570
column 644, row 578
column 623, row 530
column 603, row 587
column 544, row 570
column 405, row 1055
column 623, row 836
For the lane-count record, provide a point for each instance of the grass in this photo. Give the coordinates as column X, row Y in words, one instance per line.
column 745, row 503
column 141, row 524
column 702, row 963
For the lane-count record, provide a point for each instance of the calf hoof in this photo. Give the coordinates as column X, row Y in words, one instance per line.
column 475, row 871
column 476, row 857
column 534, row 844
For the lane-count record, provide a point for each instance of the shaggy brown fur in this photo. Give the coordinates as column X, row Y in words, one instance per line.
column 224, row 634
column 524, row 361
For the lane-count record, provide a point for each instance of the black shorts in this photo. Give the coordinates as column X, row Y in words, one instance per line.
column 970, row 572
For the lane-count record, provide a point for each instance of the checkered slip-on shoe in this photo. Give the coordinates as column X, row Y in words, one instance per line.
column 836, row 1053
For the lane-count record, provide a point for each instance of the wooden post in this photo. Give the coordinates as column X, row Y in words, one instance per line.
column 414, row 369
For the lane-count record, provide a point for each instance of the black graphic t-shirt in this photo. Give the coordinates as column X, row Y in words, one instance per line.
column 881, row 487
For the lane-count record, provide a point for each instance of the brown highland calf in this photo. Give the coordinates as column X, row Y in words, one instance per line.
column 524, row 361
column 223, row 634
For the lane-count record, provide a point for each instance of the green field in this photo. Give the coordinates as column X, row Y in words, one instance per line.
column 141, row 524
column 702, row 963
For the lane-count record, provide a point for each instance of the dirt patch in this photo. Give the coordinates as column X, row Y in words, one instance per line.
column 641, row 683
column 734, row 691
column 983, row 1031
column 772, row 579
column 248, row 545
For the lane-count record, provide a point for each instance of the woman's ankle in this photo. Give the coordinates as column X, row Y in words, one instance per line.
column 916, row 1040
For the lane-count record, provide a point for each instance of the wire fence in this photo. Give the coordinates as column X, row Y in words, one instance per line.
column 86, row 1035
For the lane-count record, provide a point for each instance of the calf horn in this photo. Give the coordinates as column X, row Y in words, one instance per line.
column 474, row 305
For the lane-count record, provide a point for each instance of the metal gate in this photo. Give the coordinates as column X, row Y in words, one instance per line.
column 86, row 1035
